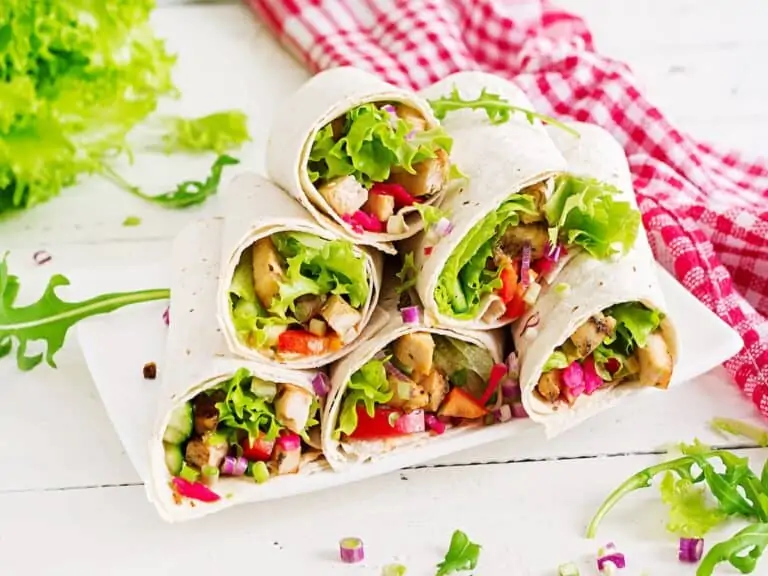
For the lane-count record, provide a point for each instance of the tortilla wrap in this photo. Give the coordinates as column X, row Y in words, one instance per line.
column 197, row 359
column 499, row 160
column 323, row 98
column 342, row 455
column 255, row 208
column 593, row 286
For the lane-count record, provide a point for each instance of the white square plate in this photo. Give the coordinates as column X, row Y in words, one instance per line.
column 116, row 347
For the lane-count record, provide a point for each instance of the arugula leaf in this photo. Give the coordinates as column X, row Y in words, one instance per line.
column 742, row 551
column 464, row 279
column 497, row 109
column 373, row 142
column 368, row 385
column 217, row 132
column 585, row 213
column 689, row 514
column 758, row 435
column 186, row 194
column 50, row 318
column 408, row 274
column 462, row 554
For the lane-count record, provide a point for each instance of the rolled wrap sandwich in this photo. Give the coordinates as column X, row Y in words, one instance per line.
column 361, row 155
column 225, row 427
column 291, row 292
column 602, row 332
column 516, row 219
column 410, row 383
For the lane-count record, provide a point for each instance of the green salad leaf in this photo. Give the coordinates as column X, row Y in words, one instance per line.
column 690, row 515
column 498, row 109
column 586, row 213
column 465, row 279
column 408, row 274
column 452, row 355
column 634, row 323
column 462, row 554
column 373, row 142
column 50, row 318
column 431, row 215
column 755, row 433
column 556, row 361
column 188, row 193
column 217, row 132
column 368, row 385
column 243, row 410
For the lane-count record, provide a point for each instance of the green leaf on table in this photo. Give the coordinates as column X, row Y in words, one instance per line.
column 217, row 132
column 738, row 428
column 690, row 515
column 742, row 551
column 462, row 554
column 132, row 221
column 49, row 318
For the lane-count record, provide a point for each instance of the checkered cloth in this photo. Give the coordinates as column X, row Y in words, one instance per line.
column 704, row 208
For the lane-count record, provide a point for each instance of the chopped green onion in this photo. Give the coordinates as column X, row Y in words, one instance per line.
column 259, row 471
column 393, row 570
column 210, row 474
column 562, row 289
column 132, row 221
column 569, row 569
column 189, row 474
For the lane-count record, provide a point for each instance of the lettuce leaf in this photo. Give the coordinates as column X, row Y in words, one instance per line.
column 586, row 213
column 634, row 323
column 217, row 132
column 556, row 361
column 243, row 410
column 368, row 385
column 373, row 143
column 465, row 279
column 690, row 516
column 453, row 355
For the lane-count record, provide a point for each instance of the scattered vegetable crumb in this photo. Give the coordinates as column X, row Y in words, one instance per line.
column 132, row 221
column 150, row 371
column 568, row 569
column 41, row 257
column 738, row 428
column 462, row 554
column 393, row 570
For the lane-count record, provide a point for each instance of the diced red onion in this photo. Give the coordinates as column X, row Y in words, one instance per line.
column 609, row 555
column 553, row 252
column 691, row 549
column 513, row 365
column 525, row 266
column 503, row 413
column 389, row 109
column 234, row 466
column 321, row 384
column 41, row 257
column 510, row 388
column 411, row 422
column 437, row 426
column 351, row 550
column 518, row 410
column 443, row 227
column 167, row 316
column 532, row 322
column 411, row 314
column 194, row 490
column 392, row 370
column 289, row 442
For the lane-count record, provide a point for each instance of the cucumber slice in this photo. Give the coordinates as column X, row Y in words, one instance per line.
column 173, row 458
column 180, row 426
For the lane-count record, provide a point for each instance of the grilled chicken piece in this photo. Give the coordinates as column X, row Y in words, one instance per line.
column 267, row 271
column 205, row 411
column 515, row 237
column 655, row 362
column 414, row 119
column 549, row 386
column 286, row 461
column 338, row 125
column 406, row 394
column 430, row 175
column 200, row 452
column 381, row 206
column 345, row 194
column 307, row 307
column 415, row 351
column 341, row 317
column 436, row 386
column 292, row 406
column 538, row 191
column 589, row 335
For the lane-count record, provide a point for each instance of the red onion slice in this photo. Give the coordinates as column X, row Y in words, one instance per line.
column 321, row 384
column 434, row 424
column 525, row 266
column 289, row 442
column 351, row 550
column 503, row 413
column 167, row 316
column 443, row 227
column 532, row 322
column 411, row 314
column 234, row 466
column 691, row 549
column 518, row 410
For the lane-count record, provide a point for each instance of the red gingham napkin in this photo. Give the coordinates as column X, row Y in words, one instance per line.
column 703, row 207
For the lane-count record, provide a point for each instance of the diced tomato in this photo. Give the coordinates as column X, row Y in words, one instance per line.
column 259, row 450
column 508, row 284
column 516, row 307
column 334, row 343
column 398, row 192
column 460, row 404
column 612, row 365
column 542, row 266
column 301, row 342
column 381, row 425
column 497, row 373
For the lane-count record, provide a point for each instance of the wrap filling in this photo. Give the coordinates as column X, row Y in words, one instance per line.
column 294, row 294
column 419, row 382
column 377, row 163
column 623, row 343
column 245, row 427
column 522, row 245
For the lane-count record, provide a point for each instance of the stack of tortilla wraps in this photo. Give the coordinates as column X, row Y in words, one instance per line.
column 306, row 338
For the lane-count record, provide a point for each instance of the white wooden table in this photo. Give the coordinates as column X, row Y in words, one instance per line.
column 70, row 502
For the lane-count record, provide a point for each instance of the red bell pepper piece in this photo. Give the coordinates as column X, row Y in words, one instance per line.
column 194, row 490
column 301, row 342
column 380, row 425
column 612, row 365
column 515, row 307
column 497, row 373
column 398, row 192
column 260, row 450
column 542, row 266
column 508, row 284
column 360, row 220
